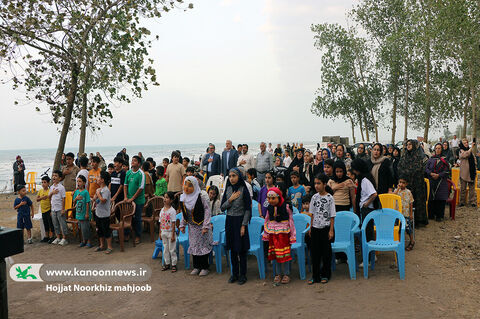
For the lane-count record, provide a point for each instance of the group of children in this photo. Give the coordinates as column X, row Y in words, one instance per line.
column 334, row 190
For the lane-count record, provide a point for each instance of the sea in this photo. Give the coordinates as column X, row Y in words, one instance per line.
column 41, row 160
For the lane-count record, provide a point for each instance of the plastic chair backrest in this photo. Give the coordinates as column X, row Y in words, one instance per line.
column 384, row 220
column 456, row 176
column 218, row 222
column 255, row 229
column 345, row 225
column 31, row 176
column 427, row 183
column 295, row 210
column 392, row 201
column 255, row 211
column 301, row 222
column 68, row 200
column 126, row 209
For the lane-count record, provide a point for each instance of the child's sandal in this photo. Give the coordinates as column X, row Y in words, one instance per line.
column 166, row 267
column 410, row 246
column 277, row 279
column 310, row 281
column 174, row 268
column 324, row 280
column 285, row 279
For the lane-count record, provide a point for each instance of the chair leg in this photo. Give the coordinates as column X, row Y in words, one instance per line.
column 372, row 259
column 401, row 264
column 121, row 236
column 156, row 251
column 365, row 262
column 152, row 229
column 301, row 263
column 352, row 263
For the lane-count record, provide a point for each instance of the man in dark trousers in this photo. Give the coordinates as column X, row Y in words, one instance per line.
column 229, row 158
column 212, row 162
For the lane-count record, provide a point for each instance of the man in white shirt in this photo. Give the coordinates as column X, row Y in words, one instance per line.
column 270, row 149
column 246, row 160
column 454, row 145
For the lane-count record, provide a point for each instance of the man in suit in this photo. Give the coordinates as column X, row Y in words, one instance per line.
column 212, row 162
column 229, row 158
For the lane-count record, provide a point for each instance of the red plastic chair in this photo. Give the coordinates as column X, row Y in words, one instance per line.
column 452, row 201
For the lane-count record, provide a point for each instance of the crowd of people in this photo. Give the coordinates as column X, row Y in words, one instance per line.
column 318, row 183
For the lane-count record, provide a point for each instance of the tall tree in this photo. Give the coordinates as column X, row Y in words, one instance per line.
column 47, row 45
column 349, row 89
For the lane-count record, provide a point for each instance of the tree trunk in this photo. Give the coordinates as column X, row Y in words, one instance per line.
column 394, row 113
column 374, row 125
column 361, row 127
column 407, row 86
column 72, row 92
column 83, row 127
column 474, row 106
column 353, row 130
column 428, row 110
column 366, row 126
column 465, row 117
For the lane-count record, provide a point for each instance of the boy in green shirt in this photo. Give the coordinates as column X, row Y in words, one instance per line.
column 134, row 191
column 161, row 184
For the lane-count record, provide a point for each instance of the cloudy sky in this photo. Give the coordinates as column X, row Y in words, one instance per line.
column 239, row 69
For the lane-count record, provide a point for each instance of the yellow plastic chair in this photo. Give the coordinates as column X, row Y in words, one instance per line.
column 70, row 214
column 68, row 200
column 427, row 184
column 392, row 201
column 456, row 181
column 31, row 185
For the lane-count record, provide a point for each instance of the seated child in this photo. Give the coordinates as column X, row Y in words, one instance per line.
column 45, row 208
column 280, row 234
column 407, row 208
column 25, row 211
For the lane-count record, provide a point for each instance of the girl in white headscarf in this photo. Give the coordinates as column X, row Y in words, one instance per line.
column 196, row 214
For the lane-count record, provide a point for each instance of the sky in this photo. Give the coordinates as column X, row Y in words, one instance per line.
column 244, row 70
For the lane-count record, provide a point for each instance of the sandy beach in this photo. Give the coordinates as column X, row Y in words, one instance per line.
column 442, row 280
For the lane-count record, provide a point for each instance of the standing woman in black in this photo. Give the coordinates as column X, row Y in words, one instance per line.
column 381, row 169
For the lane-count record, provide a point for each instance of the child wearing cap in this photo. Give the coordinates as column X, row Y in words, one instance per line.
column 25, row 211
column 280, row 234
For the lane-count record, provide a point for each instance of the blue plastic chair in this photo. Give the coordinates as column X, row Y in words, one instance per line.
column 346, row 224
column 218, row 222
column 299, row 249
column 158, row 249
column 183, row 240
column 384, row 220
column 295, row 211
column 255, row 211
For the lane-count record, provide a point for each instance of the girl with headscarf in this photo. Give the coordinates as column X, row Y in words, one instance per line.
column 278, row 166
column 280, row 234
column 411, row 166
column 238, row 204
column 390, row 149
column 343, row 187
column 447, row 153
column 306, row 174
column 381, row 169
column 468, row 173
column 296, row 165
column 341, row 155
column 320, row 158
column 18, row 173
column 437, row 171
column 362, row 152
column 395, row 160
column 196, row 214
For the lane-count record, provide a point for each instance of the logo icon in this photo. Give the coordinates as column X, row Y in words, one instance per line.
column 26, row 272
column 23, row 274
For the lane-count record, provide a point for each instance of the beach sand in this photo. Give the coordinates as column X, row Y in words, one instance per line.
column 442, row 280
